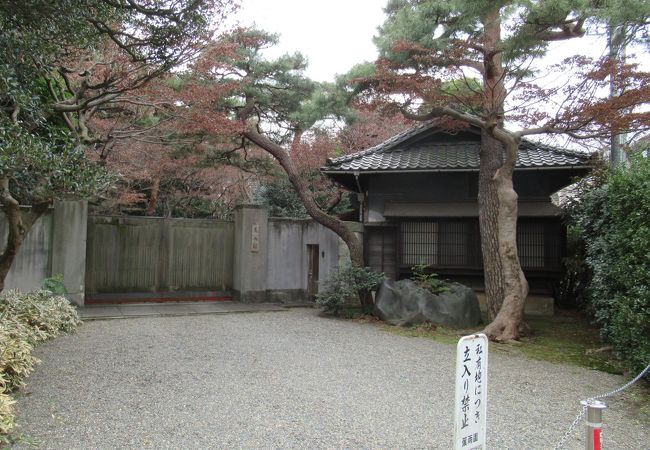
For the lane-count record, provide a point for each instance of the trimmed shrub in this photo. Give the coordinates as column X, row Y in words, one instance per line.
column 614, row 220
column 26, row 320
column 343, row 287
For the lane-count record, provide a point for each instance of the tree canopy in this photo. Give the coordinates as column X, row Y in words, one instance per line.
column 240, row 100
column 424, row 44
column 66, row 63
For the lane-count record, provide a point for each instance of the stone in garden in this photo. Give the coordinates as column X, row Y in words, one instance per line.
column 405, row 303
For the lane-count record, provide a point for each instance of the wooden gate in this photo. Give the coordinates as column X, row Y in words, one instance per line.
column 156, row 255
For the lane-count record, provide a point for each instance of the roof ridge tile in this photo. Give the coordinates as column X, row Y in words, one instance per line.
column 455, row 154
column 398, row 138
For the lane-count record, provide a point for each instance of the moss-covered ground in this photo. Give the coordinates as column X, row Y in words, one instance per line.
column 566, row 338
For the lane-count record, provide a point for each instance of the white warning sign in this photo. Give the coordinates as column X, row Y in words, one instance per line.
column 471, row 392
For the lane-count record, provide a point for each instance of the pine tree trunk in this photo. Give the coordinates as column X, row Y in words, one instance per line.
column 508, row 322
column 490, row 160
column 510, row 317
column 328, row 221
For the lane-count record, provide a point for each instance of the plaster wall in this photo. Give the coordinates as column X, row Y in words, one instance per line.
column 287, row 258
column 33, row 262
column 250, row 255
column 69, row 232
column 261, row 259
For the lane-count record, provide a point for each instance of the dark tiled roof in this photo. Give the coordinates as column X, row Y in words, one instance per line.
column 397, row 154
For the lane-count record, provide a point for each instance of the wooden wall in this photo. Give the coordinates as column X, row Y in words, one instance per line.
column 141, row 254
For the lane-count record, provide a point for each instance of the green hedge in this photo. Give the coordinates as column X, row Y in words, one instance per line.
column 614, row 220
column 26, row 320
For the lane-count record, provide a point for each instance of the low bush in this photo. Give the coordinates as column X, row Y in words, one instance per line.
column 25, row 320
column 55, row 284
column 614, row 221
column 424, row 278
column 7, row 416
column 46, row 314
column 16, row 359
column 343, row 287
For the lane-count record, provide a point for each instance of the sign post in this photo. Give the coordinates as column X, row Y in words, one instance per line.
column 470, row 405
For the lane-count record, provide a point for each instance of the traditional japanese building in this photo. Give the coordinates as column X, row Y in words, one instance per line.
column 419, row 191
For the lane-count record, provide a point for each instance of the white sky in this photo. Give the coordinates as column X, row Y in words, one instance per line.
column 333, row 34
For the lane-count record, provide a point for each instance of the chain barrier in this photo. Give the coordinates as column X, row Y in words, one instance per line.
column 590, row 400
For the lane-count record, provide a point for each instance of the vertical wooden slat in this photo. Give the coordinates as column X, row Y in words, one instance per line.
column 149, row 254
column 531, row 244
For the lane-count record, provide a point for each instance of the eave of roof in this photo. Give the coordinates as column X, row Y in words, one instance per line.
column 461, row 169
column 398, row 155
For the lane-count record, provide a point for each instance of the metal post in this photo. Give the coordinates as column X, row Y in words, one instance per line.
column 594, row 423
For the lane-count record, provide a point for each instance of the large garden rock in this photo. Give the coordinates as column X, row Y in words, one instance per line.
column 405, row 303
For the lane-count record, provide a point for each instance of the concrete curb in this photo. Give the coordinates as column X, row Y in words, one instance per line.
column 117, row 311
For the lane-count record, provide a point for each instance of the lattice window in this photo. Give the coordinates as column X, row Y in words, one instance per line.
column 419, row 243
column 531, row 245
column 455, row 243
column 455, row 240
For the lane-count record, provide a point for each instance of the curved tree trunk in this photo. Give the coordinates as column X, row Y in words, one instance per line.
column 491, row 157
column 505, row 327
column 510, row 317
column 328, row 221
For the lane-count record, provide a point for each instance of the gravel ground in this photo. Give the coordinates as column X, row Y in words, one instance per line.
column 290, row 380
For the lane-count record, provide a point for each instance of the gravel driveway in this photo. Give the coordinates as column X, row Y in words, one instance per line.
column 290, row 380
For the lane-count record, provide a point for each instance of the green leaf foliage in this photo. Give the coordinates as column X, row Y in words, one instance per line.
column 43, row 168
column 614, row 220
column 55, row 284
column 281, row 199
column 428, row 280
column 439, row 24
column 345, row 285
column 43, row 43
column 38, row 38
column 284, row 100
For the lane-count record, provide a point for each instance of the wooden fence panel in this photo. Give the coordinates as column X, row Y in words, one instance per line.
column 201, row 256
column 142, row 254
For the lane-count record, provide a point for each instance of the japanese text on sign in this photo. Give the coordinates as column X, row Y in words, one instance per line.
column 471, row 393
column 255, row 238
